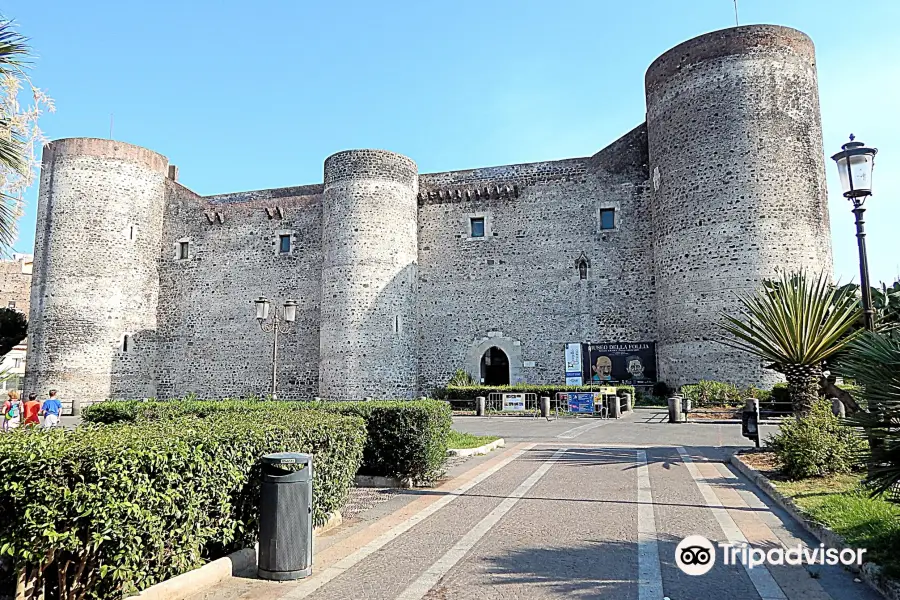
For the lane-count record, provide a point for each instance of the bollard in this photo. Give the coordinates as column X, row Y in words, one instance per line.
column 628, row 402
column 615, row 409
column 479, row 406
column 675, row 413
column 750, row 420
column 685, row 407
column 545, row 406
column 838, row 408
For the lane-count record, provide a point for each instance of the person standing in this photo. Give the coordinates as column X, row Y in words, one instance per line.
column 12, row 411
column 51, row 410
column 30, row 412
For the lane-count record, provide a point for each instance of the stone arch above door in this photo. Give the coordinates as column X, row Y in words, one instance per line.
column 510, row 346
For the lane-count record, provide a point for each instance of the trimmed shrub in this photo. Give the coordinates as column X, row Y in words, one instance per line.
column 406, row 438
column 105, row 511
column 716, row 393
column 470, row 392
column 816, row 444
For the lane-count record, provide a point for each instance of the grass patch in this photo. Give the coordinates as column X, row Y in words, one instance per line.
column 845, row 506
column 461, row 441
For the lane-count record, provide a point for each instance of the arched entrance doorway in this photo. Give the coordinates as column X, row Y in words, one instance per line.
column 495, row 367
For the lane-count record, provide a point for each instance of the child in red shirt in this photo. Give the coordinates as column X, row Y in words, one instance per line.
column 32, row 406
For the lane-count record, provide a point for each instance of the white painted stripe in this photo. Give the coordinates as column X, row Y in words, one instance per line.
column 427, row 580
column 576, row 431
column 765, row 584
column 317, row 580
column 650, row 585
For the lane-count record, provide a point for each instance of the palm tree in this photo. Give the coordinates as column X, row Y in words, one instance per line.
column 14, row 56
column 873, row 361
column 797, row 323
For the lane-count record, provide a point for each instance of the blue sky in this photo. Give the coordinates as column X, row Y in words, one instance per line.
column 250, row 95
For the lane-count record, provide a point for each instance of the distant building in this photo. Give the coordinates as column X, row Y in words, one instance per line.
column 15, row 293
column 144, row 288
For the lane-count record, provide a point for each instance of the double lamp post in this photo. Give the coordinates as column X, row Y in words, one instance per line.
column 277, row 324
column 855, row 163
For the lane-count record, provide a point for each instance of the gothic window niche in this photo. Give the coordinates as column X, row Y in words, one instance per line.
column 583, row 265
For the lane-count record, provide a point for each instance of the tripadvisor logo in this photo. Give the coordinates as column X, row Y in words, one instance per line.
column 696, row 555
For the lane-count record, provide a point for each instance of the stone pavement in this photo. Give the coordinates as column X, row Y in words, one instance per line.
column 569, row 509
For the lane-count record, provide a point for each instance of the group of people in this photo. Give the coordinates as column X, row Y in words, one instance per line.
column 15, row 412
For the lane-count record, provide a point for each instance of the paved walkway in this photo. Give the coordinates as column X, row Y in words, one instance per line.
column 567, row 510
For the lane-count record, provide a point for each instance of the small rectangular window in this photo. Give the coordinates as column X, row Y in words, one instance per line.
column 183, row 250
column 607, row 218
column 125, row 342
column 477, row 227
column 284, row 244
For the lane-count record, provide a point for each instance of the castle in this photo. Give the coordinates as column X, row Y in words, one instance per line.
column 142, row 288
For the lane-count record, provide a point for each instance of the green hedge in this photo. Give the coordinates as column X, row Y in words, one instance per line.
column 716, row 393
column 406, row 438
column 470, row 392
column 118, row 508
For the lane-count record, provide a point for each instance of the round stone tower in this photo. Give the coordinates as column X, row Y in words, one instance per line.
column 95, row 283
column 737, row 184
column 369, row 248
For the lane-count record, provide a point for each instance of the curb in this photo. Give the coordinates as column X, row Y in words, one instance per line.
column 378, row 481
column 477, row 451
column 216, row 571
column 869, row 572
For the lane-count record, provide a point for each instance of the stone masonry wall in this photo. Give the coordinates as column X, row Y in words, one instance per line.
column 722, row 187
column 209, row 341
column 15, row 285
column 518, row 288
column 369, row 276
column 95, row 278
column 736, row 162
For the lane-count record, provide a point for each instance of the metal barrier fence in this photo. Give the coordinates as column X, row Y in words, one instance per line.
column 602, row 406
column 512, row 403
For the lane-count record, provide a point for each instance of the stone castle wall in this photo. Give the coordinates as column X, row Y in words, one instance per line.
column 95, row 273
column 737, row 166
column 369, row 276
column 518, row 287
column 209, row 341
column 723, row 186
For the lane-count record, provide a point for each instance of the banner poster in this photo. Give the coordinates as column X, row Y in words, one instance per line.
column 514, row 402
column 573, row 364
column 581, row 403
column 622, row 362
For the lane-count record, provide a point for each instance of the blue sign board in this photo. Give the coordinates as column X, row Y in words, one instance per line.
column 581, row 403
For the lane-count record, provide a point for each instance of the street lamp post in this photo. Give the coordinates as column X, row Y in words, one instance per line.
column 277, row 324
column 855, row 163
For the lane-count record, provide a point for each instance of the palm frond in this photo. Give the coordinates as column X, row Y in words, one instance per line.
column 797, row 320
column 15, row 53
column 12, row 148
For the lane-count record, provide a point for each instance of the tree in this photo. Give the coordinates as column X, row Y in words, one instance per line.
column 19, row 131
column 885, row 302
column 13, row 328
column 873, row 361
column 797, row 323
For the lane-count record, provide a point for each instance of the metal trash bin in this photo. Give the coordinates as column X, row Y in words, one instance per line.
column 285, row 516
